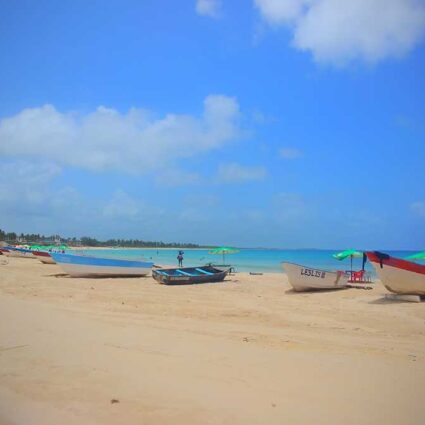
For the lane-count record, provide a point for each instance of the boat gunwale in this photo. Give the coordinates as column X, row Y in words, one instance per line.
column 188, row 280
column 41, row 253
column 312, row 268
column 397, row 263
column 81, row 260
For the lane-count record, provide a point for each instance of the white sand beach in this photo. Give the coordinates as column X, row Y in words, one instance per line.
column 245, row 351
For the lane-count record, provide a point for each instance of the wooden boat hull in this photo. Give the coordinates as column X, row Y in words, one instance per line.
column 189, row 275
column 303, row 278
column 44, row 257
column 398, row 276
column 84, row 266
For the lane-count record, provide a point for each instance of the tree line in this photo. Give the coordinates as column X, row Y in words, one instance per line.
column 13, row 237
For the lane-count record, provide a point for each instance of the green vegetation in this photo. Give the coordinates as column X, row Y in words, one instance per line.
column 14, row 238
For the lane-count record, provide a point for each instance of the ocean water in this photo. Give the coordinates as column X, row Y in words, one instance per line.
column 247, row 260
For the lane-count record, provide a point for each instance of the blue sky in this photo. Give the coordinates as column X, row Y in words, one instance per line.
column 273, row 123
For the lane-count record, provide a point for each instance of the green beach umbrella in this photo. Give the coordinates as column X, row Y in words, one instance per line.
column 417, row 256
column 348, row 253
column 47, row 247
column 224, row 250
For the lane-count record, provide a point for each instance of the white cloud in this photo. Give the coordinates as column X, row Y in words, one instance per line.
column 338, row 32
column 105, row 139
column 174, row 177
column 28, row 203
column 202, row 200
column 277, row 12
column 68, row 201
column 25, row 184
column 290, row 153
column 418, row 208
column 192, row 215
column 236, row 173
column 31, row 201
column 208, row 8
column 121, row 205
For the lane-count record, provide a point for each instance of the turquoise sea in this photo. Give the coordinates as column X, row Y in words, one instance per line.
column 247, row 260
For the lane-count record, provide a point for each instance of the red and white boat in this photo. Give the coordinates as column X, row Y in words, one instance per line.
column 44, row 257
column 397, row 275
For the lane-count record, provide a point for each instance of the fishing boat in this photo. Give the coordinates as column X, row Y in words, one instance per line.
column 303, row 278
column 44, row 257
column 80, row 265
column 189, row 275
column 398, row 276
column 13, row 251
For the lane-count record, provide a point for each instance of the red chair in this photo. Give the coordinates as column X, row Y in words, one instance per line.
column 359, row 277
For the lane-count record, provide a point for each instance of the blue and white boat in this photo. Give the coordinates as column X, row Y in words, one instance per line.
column 189, row 275
column 14, row 251
column 80, row 265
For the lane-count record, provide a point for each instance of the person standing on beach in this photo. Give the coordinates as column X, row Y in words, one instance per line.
column 180, row 258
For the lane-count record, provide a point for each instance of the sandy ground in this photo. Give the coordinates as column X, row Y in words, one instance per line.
column 245, row 351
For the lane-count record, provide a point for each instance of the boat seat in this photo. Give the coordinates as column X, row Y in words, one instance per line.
column 204, row 272
column 163, row 273
column 184, row 273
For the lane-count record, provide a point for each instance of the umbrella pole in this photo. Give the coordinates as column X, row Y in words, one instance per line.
column 223, row 259
column 351, row 271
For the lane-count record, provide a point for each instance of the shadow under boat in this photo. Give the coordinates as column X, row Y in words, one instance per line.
column 103, row 276
column 292, row 291
column 398, row 298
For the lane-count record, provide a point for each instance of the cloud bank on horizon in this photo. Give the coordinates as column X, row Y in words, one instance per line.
column 339, row 32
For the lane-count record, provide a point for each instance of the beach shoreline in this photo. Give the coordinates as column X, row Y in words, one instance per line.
column 245, row 351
